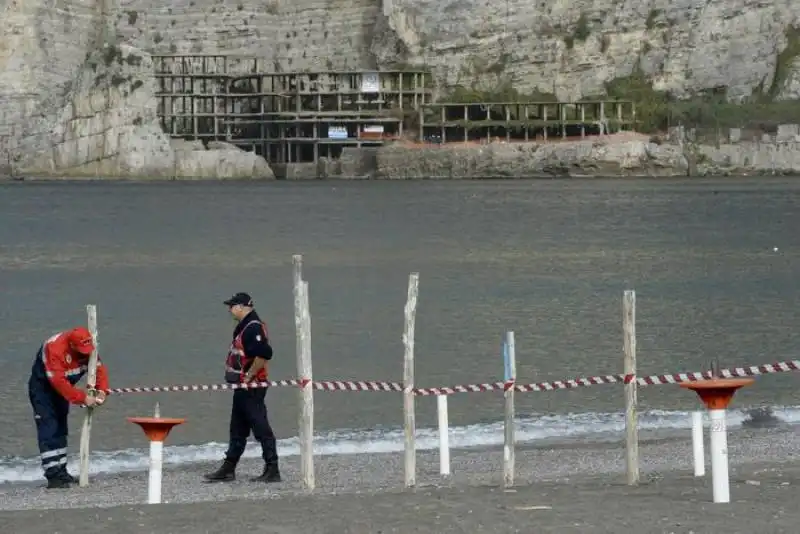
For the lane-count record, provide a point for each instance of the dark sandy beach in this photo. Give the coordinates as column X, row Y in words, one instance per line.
column 677, row 503
column 567, row 488
column 714, row 264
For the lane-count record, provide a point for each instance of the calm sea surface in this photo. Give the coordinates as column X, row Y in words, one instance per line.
column 547, row 259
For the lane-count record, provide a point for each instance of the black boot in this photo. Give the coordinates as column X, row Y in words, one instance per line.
column 226, row 473
column 58, row 482
column 60, row 479
column 271, row 474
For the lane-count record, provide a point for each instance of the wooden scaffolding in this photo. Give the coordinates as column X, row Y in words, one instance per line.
column 288, row 117
column 522, row 121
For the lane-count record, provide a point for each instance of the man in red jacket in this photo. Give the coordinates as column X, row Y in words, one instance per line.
column 60, row 363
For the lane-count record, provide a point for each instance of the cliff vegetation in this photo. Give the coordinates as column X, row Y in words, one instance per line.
column 656, row 110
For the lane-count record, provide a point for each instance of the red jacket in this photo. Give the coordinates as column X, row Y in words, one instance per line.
column 64, row 368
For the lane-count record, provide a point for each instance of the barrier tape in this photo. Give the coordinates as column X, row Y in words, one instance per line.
column 212, row 387
column 469, row 388
column 349, row 385
column 325, row 385
column 734, row 372
column 575, row 383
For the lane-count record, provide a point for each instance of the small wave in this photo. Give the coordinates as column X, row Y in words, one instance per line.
column 529, row 429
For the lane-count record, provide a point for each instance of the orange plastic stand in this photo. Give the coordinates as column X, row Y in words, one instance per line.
column 717, row 393
column 156, row 428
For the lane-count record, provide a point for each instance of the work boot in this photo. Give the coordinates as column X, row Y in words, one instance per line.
column 58, row 482
column 271, row 474
column 226, row 473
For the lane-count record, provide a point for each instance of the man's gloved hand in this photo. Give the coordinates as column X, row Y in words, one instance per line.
column 94, row 398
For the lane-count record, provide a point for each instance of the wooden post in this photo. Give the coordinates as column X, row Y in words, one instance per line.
column 631, row 419
column 510, row 366
column 302, row 321
column 91, row 380
column 307, row 399
column 297, row 277
column 408, row 380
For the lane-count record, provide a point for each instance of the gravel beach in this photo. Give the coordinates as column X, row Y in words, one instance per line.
column 578, row 487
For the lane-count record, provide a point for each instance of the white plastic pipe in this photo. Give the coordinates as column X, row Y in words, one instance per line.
column 156, row 463
column 719, row 457
column 444, row 438
column 697, row 444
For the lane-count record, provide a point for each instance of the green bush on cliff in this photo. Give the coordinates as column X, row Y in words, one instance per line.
column 652, row 107
column 658, row 110
column 785, row 60
column 502, row 93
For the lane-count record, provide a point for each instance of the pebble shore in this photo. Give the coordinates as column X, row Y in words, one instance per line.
column 376, row 473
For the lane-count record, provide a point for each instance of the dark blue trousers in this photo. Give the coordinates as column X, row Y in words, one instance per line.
column 249, row 413
column 50, row 411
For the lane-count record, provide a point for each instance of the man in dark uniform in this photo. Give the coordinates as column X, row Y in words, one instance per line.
column 247, row 362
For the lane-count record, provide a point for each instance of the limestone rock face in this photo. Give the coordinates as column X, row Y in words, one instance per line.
column 226, row 162
column 109, row 127
column 49, row 108
column 756, row 158
column 569, row 48
column 288, row 36
column 572, row 48
column 790, row 89
column 611, row 157
column 42, row 46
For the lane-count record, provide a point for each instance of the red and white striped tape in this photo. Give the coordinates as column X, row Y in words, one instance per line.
column 211, row 387
column 573, row 383
column 469, row 388
column 349, row 385
column 734, row 372
column 325, row 385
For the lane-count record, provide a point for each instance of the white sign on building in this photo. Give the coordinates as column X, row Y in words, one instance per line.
column 370, row 83
column 337, row 132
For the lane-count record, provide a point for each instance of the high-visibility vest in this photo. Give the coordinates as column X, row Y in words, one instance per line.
column 237, row 362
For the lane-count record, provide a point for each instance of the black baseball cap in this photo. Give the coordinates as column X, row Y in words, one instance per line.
column 240, row 298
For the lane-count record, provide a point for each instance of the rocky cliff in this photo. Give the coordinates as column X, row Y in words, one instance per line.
column 49, row 58
column 108, row 127
column 628, row 155
column 569, row 48
column 74, row 102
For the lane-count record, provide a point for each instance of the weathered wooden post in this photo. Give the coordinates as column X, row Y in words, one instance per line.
column 91, row 381
column 510, row 376
column 408, row 381
column 631, row 418
column 304, row 373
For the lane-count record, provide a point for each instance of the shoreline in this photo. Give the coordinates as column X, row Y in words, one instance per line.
column 756, row 175
column 134, row 460
column 371, row 473
column 620, row 155
column 580, row 490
